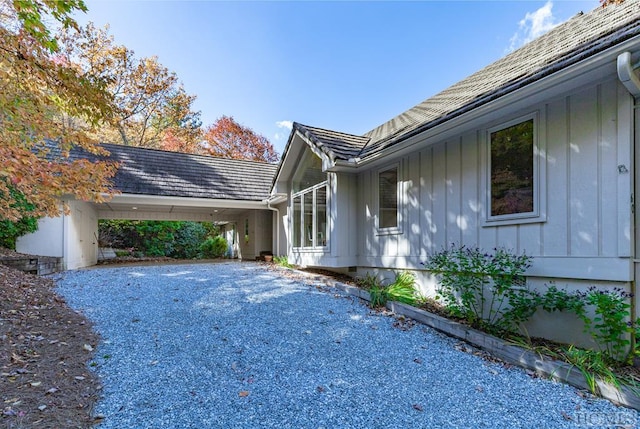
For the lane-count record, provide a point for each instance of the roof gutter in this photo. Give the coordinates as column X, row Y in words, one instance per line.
column 276, row 199
column 627, row 74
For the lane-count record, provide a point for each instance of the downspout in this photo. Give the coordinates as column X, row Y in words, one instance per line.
column 630, row 80
column 277, row 226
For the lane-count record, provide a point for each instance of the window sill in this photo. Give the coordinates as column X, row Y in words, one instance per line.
column 514, row 220
column 389, row 231
column 310, row 250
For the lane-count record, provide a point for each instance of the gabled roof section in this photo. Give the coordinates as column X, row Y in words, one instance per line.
column 578, row 38
column 172, row 174
column 581, row 37
column 335, row 144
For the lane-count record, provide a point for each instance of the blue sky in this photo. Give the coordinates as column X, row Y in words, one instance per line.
column 346, row 66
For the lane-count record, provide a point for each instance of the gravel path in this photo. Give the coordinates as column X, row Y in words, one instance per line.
column 233, row 345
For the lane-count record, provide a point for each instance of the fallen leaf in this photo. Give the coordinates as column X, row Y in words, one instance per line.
column 87, row 347
column 416, row 360
column 51, row 391
column 418, row 407
column 42, row 407
column 79, row 377
column 35, row 383
column 243, row 393
column 565, row 416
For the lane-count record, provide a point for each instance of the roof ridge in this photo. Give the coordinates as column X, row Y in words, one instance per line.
column 329, row 130
column 185, row 153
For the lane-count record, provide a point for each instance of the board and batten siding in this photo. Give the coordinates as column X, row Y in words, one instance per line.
column 585, row 193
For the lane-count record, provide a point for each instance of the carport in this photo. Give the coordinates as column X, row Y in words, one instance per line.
column 161, row 185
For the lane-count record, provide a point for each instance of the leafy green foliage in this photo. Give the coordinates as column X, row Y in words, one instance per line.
column 403, row 289
column 482, row 288
column 11, row 230
column 282, row 261
column 371, row 283
column 157, row 238
column 610, row 326
column 187, row 239
column 214, row 247
column 591, row 364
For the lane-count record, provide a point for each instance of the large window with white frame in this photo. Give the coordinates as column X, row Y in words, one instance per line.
column 309, row 199
column 513, row 179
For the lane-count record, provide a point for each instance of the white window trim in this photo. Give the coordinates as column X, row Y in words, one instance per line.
column 394, row 230
column 539, row 212
column 301, row 193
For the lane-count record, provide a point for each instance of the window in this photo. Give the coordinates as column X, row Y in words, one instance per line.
column 388, row 198
column 309, row 223
column 309, row 172
column 512, row 171
column 297, row 216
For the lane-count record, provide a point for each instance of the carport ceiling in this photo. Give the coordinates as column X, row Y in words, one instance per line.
column 128, row 207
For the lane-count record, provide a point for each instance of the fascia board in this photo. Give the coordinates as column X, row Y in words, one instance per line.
column 185, row 201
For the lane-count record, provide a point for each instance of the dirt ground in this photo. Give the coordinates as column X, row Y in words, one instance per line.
column 45, row 347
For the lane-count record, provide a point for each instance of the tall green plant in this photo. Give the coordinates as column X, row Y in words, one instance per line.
column 403, row 288
column 214, row 247
column 610, row 326
column 483, row 288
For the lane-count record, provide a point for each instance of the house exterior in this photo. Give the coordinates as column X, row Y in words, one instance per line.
column 535, row 153
column 161, row 185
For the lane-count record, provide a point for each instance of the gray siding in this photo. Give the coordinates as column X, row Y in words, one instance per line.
column 585, row 198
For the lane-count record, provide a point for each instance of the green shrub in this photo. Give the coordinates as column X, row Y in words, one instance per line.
column 373, row 285
column 187, row 239
column 403, row 289
column 485, row 289
column 610, row 326
column 156, row 238
column 11, row 230
column 282, row 261
column 214, row 247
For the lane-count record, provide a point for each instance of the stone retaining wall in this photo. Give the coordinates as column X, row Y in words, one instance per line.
column 40, row 265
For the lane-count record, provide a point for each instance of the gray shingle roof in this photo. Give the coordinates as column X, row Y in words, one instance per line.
column 576, row 39
column 341, row 145
column 173, row 174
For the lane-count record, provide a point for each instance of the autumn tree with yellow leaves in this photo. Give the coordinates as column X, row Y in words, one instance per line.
column 39, row 91
column 150, row 103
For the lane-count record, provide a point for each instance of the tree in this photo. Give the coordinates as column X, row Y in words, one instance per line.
column 37, row 91
column 228, row 139
column 149, row 99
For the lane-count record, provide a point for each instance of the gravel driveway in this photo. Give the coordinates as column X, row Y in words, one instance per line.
column 233, row 345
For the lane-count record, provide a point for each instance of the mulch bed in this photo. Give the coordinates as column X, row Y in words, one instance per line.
column 45, row 347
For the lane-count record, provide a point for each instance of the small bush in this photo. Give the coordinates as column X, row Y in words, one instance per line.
column 214, row 247
column 282, row 261
column 403, row 289
column 480, row 287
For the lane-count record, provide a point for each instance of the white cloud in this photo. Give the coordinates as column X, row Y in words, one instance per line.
column 285, row 124
column 533, row 25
